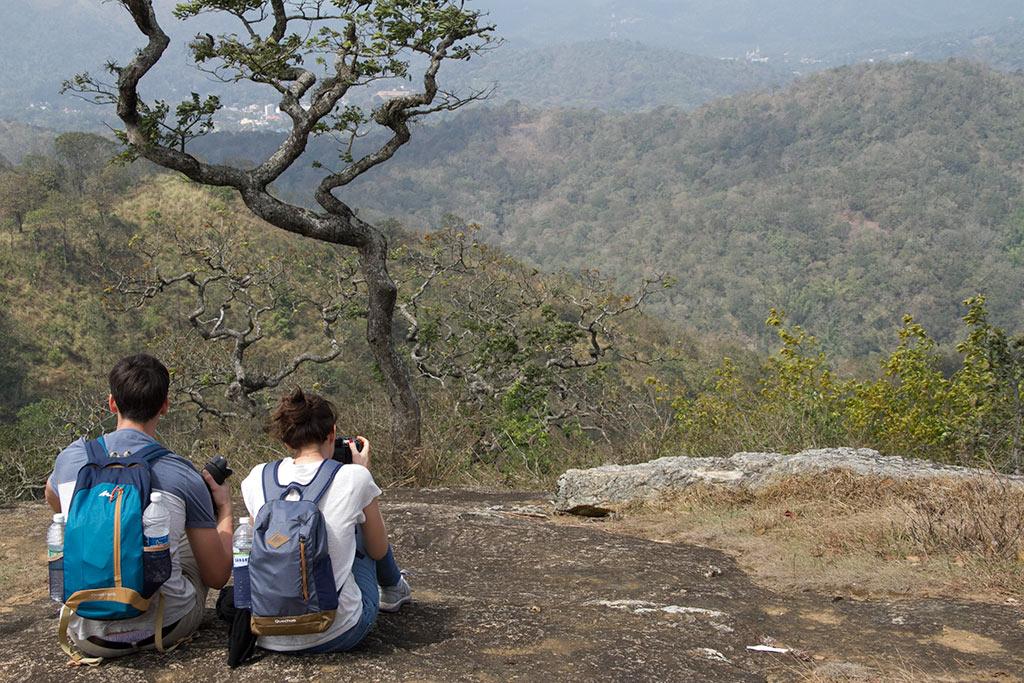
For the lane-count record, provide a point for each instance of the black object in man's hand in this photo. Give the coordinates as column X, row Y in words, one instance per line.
column 219, row 470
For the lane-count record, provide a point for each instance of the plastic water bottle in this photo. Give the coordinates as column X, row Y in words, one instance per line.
column 55, row 558
column 156, row 521
column 241, row 546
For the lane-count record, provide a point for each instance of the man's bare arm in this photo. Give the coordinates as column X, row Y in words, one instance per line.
column 212, row 547
column 51, row 497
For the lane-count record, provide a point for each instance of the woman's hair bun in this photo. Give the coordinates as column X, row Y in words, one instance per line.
column 302, row 418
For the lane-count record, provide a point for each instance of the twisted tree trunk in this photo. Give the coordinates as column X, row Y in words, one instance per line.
column 342, row 226
column 405, row 406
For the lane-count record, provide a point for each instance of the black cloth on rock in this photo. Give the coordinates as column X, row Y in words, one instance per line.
column 241, row 641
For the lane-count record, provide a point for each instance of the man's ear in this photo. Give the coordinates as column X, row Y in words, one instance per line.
column 111, row 403
column 165, row 407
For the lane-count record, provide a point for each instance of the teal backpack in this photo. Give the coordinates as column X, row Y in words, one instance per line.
column 109, row 573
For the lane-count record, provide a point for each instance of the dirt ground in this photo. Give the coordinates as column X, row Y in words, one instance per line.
column 505, row 592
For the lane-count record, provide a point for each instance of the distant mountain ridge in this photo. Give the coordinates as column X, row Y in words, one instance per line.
column 614, row 75
column 729, row 28
column 18, row 140
column 1000, row 46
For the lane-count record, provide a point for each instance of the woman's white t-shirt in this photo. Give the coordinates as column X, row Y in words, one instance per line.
column 352, row 490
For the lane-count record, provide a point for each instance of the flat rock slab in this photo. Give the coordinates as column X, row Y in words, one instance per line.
column 600, row 490
column 504, row 594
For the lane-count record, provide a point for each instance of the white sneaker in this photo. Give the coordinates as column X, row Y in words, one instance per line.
column 392, row 599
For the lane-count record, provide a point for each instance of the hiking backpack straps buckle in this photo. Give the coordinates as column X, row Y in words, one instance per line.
column 151, row 453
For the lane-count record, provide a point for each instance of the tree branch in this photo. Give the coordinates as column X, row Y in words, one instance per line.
column 236, row 300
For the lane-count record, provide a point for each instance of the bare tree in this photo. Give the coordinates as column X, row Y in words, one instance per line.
column 513, row 357
column 313, row 53
column 234, row 293
column 505, row 339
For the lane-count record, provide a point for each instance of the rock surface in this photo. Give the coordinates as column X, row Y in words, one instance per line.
column 504, row 594
column 598, row 491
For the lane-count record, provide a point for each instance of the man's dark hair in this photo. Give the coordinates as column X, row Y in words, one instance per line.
column 302, row 418
column 139, row 385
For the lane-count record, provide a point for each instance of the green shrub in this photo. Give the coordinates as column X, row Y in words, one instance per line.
column 29, row 445
column 972, row 416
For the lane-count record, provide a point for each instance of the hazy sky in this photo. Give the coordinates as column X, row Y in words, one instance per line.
column 710, row 26
column 728, row 27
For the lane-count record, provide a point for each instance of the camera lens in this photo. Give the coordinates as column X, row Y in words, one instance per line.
column 219, row 469
column 341, row 450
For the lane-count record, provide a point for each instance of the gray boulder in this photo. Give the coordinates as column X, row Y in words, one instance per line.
column 601, row 490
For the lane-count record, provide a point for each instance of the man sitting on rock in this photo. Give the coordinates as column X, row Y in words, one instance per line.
column 200, row 521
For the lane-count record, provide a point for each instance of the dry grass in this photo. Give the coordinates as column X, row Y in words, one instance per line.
column 22, row 557
column 886, row 672
column 860, row 536
column 849, row 672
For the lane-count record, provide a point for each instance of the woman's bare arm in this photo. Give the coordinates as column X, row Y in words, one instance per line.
column 375, row 534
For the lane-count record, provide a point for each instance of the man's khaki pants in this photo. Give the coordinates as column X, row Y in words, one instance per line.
column 185, row 627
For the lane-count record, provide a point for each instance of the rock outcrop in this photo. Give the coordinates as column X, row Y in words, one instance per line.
column 599, row 491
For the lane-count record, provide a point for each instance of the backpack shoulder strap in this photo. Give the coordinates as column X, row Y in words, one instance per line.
column 151, row 453
column 317, row 487
column 271, row 489
column 96, row 452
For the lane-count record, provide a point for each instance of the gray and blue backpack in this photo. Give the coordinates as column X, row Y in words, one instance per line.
column 291, row 577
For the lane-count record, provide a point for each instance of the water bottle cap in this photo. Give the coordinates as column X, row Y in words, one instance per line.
column 59, row 518
column 156, row 497
column 243, row 520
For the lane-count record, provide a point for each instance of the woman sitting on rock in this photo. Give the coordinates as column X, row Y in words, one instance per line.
column 366, row 577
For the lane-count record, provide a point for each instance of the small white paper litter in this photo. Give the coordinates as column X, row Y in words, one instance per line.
column 768, row 648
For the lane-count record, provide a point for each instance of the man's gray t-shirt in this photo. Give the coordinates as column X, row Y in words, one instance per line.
column 188, row 501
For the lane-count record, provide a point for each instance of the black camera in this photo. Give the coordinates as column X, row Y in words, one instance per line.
column 218, row 469
column 342, row 453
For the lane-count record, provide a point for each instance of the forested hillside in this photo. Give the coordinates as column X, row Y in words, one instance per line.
column 522, row 373
column 849, row 199
column 18, row 140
